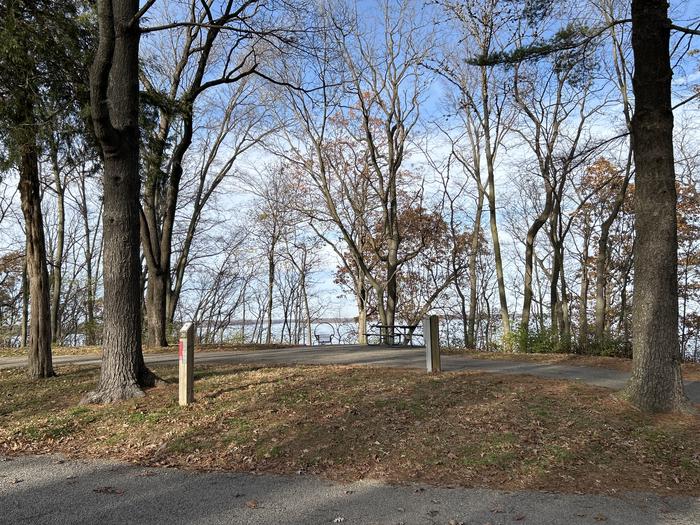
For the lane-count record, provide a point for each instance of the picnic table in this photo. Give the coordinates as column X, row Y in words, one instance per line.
column 398, row 334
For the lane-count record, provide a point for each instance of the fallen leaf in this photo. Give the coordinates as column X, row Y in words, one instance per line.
column 252, row 504
column 108, row 490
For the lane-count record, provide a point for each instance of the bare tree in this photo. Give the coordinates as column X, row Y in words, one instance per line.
column 483, row 100
column 554, row 101
column 218, row 45
column 366, row 124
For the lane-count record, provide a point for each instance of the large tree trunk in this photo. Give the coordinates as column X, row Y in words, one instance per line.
column 156, row 307
column 490, row 154
column 114, row 98
column 392, row 296
column 123, row 370
column 565, row 331
column 361, row 325
column 554, row 303
column 40, row 362
column 656, row 383
column 464, row 313
column 391, row 229
column 502, row 299
column 601, row 264
column 270, row 291
column 307, row 309
column 58, row 253
column 583, row 310
column 530, row 256
column 470, row 331
column 600, row 283
column 89, row 328
column 24, row 331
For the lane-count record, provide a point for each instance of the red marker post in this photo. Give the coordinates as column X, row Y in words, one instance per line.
column 186, row 364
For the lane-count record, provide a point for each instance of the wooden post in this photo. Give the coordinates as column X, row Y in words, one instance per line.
column 186, row 360
column 432, row 343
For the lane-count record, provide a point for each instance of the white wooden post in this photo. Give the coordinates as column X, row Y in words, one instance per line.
column 432, row 343
column 186, row 360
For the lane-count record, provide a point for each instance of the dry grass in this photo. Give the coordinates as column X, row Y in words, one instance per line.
column 96, row 350
column 462, row 428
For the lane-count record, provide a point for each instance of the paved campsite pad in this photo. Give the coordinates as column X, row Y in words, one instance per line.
column 382, row 356
column 54, row 490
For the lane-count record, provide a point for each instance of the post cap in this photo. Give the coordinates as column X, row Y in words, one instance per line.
column 185, row 328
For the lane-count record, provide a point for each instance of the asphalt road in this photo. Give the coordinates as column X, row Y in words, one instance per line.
column 52, row 490
column 382, row 356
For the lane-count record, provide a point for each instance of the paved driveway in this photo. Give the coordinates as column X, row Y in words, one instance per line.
column 54, row 490
column 382, row 356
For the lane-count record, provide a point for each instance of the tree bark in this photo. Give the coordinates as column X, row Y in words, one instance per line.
column 156, row 307
column 90, row 335
column 502, row 299
column 58, row 252
column 530, row 255
column 24, row 331
column 270, row 291
column 39, row 351
column 583, row 310
column 656, row 384
column 114, row 100
column 601, row 264
column 602, row 260
column 307, row 309
column 362, row 325
column 361, row 301
column 470, row 338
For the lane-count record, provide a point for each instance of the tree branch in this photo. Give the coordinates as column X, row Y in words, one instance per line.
column 686, row 30
column 99, row 78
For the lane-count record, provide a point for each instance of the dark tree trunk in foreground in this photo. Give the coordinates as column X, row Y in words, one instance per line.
column 656, row 384
column 114, row 100
column 40, row 364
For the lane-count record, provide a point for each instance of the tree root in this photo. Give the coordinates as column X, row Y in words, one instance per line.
column 106, row 395
column 148, row 379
